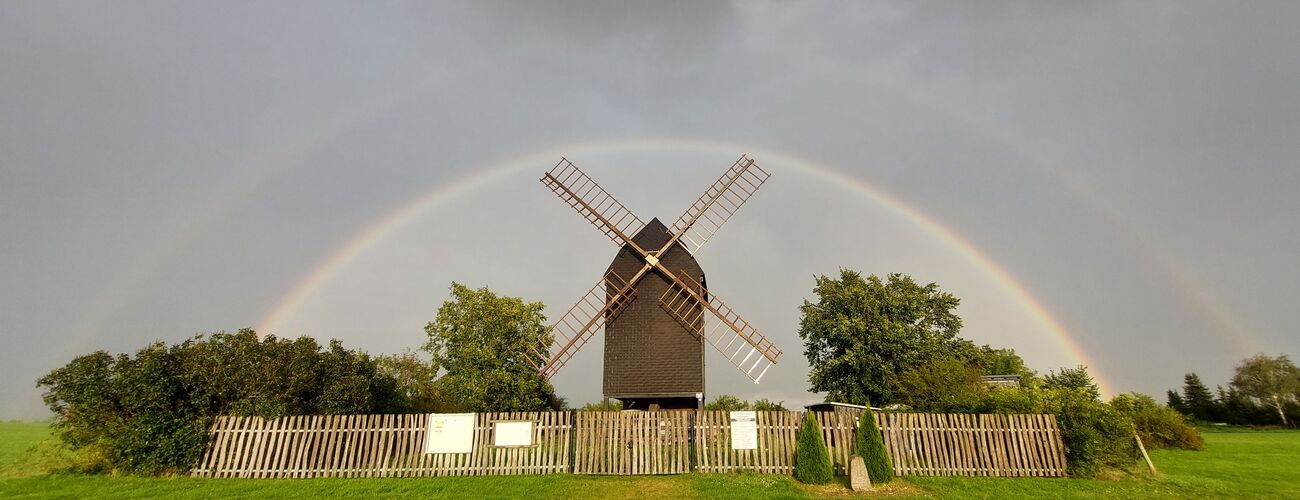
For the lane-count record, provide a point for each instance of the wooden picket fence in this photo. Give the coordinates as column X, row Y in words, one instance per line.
column 935, row 444
column 632, row 443
column 375, row 445
column 777, row 432
column 626, row 443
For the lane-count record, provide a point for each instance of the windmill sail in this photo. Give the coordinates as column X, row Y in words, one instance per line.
column 592, row 202
column 718, row 203
column 575, row 328
column 735, row 338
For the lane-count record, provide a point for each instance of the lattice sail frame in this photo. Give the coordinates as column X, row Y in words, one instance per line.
column 685, row 306
column 592, row 202
column 600, row 305
column 721, row 201
column 736, row 185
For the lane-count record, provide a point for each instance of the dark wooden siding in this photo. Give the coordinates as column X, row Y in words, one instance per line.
column 647, row 352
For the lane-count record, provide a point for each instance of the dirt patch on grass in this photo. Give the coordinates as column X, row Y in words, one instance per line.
column 629, row 487
column 840, row 488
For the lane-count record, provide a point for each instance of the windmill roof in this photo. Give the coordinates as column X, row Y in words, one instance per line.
column 654, row 234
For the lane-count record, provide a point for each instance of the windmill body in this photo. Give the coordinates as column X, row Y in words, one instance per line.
column 652, row 301
column 652, row 360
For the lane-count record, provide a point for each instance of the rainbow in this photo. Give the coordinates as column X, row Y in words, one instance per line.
column 1236, row 328
column 1208, row 302
column 339, row 259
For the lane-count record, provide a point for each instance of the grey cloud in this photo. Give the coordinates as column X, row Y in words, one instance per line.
column 170, row 168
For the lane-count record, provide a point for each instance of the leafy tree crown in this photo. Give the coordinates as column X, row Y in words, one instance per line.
column 480, row 341
column 861, row 333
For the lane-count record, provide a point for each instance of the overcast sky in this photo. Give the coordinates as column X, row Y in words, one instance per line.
column 174, row 168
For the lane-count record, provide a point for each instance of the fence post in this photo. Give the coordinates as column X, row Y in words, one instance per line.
column 692, row 421
column 573, row 438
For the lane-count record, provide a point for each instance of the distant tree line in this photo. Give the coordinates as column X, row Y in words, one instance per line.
column 724, row 402
column 727, row 402
column 1264, row 390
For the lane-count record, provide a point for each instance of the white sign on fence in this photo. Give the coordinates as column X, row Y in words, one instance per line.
column 519, row 433
column 744, row 430
column 450, row 433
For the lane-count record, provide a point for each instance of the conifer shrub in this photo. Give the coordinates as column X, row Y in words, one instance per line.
column 871, row 448
column 812, row 461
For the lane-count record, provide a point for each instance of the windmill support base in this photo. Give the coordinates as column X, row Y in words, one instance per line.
column 657, row 402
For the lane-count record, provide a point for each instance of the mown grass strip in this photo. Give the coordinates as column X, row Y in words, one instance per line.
column 1258, row 464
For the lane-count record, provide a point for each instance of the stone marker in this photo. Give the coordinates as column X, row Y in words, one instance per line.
column 858, row 480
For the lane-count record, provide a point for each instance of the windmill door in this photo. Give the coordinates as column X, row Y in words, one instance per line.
column 632, row 443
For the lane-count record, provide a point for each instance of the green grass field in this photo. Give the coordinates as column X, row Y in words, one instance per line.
column 1234, row 464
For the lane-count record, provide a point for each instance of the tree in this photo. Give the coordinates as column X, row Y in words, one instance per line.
column 1005, row 361
column 480, row 341
column 871, row 447
column 812, row 461
column 150, row 413
column 615, row 405
column 1197, row 399
column 1239, row 409
column 1175, row 401
column 417, row 381
column 862, row 333
column 943, row 384
column 1273, row 381
column 727, row 402
column 1072, row 378
column 350, row 381
column 767, row 405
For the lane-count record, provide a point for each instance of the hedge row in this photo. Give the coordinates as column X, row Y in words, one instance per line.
column 149, row 413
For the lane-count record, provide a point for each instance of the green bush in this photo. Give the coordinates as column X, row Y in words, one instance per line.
column 871, row 448
column 765, row 404
column 726, row 402
column 1072, row 378
column 1159, row 426
column 812, row 461
column 1013, row 400
column 944, row 384
column 149, row 413
column 1097, row 437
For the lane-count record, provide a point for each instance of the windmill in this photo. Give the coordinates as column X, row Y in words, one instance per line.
column 652, row 300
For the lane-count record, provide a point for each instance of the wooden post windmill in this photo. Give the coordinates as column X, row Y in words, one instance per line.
column 652, row 301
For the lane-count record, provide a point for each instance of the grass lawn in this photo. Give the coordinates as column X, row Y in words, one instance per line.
column 1234, row 464
column 1244, row 464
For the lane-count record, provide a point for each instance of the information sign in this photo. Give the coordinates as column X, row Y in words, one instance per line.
column 744, row 430
column 517, row 433
column 450, row 433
